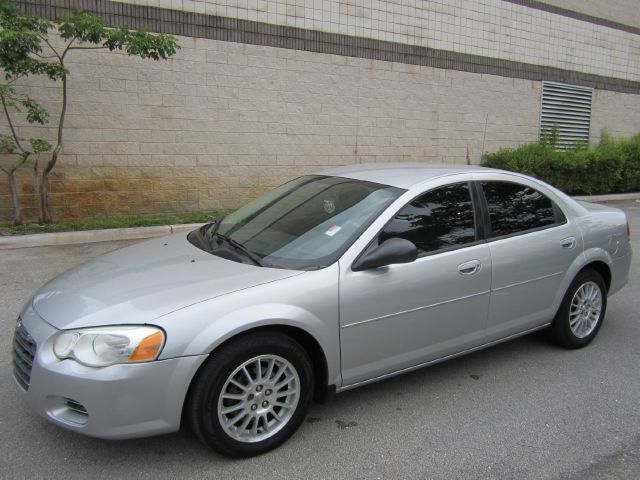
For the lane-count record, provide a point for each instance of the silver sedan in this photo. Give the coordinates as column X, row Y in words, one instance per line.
column 326, row 283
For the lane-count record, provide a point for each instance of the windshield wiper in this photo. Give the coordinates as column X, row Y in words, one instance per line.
column 208, row 229
column 238, row 246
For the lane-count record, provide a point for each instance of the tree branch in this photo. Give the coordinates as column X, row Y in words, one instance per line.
column 11, row 127
column 68, row 47
column 17, row 165
column 18, row 77
column 46, row 40
column 23, row 160
column 56, row 151
column 44, row 57
column 86, row 48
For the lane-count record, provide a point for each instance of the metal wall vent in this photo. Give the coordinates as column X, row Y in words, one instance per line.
column 568, row 108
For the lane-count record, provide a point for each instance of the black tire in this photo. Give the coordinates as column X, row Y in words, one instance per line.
column 560, row 330
column 202, row 404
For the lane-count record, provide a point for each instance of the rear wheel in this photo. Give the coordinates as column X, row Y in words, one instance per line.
column 252, row 394
column 582, row 311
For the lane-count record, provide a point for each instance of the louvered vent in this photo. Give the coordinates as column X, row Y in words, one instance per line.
column 569, row 108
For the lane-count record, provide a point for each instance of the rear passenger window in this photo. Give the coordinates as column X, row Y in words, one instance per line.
column 515, row 208
column 441, row 218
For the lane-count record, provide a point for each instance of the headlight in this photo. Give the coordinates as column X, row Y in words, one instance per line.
column 100, row 347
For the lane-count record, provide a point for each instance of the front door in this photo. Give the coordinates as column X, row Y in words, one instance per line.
column 401, row 316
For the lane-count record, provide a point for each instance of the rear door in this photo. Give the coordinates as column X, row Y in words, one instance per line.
column 532, row 246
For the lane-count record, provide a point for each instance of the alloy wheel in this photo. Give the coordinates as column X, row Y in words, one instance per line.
column 259, row 398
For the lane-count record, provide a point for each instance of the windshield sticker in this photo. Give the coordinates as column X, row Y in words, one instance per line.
column 333, row 229
column 329, row 206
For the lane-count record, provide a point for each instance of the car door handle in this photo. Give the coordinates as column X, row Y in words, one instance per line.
column 568, row 242
column 470, row 268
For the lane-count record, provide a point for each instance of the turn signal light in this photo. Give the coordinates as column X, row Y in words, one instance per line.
column 148, row 348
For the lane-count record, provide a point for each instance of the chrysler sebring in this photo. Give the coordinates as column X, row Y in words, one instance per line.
column 326, row 283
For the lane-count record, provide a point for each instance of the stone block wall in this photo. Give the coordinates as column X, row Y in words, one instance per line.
column 224, row 121
column 623, row 11
column 494, row 28
column 618, row 113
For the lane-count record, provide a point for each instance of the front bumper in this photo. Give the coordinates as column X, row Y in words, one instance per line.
column 119, row 401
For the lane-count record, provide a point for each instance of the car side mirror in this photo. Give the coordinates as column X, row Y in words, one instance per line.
column 394, row 250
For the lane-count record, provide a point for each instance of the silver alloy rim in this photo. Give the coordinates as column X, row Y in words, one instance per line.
column 585, row 309
column 259, row 398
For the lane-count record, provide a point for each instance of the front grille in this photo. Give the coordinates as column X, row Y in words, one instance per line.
column 24, row 349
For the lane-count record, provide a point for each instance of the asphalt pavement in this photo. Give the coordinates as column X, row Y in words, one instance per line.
column 524, row 409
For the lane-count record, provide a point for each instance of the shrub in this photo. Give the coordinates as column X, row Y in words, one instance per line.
column 630, row 178
column 610, row 167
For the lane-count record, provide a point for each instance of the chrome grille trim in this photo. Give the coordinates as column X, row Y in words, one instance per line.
column 24, row 350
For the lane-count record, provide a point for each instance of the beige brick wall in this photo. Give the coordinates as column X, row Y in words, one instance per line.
column 223, row 122
column 491, row 28
column 619, row 113
column 623, row 11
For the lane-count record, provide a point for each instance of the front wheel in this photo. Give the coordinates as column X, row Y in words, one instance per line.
column 252, row 394
column 581, row 312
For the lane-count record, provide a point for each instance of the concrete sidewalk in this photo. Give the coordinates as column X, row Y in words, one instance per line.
column 90, row 236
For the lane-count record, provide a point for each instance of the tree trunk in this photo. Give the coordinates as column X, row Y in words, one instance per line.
column 44, row 200
column 36, row 190
column 13, row 192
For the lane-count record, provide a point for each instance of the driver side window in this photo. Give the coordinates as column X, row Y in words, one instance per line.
column 439, row 219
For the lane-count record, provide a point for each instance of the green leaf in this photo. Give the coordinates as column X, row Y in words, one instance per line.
column 40, row 146
column 21, row 41
column 83, row 26
column 89, row 29
column 7, row 145
column 9, row 96
column 141, row 43
column 35, row 112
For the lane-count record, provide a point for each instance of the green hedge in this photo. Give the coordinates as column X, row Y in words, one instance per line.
column 613, row 166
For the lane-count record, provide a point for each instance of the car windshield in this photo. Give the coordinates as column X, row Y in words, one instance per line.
column 304, row 224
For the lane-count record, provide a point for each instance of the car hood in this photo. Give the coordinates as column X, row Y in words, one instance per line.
column 140, row 283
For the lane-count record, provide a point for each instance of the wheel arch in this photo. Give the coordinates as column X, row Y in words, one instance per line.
column 602, row 268
column 317, row 356
column 313, row 349
column 561, row 330
column 597, row 259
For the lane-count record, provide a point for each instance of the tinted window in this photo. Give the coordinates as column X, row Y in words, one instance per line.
column 305, row 224
column 440, row 218
column 516, row 208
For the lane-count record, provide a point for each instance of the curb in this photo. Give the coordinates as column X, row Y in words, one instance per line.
column 91, row 236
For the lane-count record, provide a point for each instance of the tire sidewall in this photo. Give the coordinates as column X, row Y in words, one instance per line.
column 215, row 377
column 563, row 318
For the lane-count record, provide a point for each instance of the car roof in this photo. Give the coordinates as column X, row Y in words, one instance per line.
column 409, row 175
column 401, row 175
